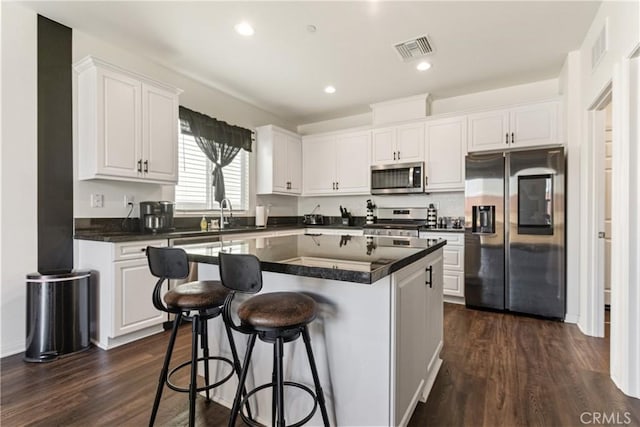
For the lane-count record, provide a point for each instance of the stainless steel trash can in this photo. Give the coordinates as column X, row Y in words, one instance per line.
column 57, row 315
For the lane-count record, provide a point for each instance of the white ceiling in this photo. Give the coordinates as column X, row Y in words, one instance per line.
column 283, row 68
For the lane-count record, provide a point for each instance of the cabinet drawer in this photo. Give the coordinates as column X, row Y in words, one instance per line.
column 453, row 283
column 453, row 258
column 133, row 250
column 455, row 239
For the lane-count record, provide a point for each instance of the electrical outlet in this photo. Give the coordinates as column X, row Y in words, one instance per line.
column 128, row 199
column 97, row 200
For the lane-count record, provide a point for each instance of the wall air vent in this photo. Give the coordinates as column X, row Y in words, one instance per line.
column 414, row 48
column 600, row 46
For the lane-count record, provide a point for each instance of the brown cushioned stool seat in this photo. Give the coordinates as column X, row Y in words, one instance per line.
column 196, row 295
column 277, row 310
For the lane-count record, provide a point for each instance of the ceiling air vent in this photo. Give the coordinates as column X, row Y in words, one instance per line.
column 414, row 48
column 600, row 46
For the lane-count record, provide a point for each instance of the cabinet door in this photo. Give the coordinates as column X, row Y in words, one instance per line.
column 319, row 165
column 383, row 146
column 352, row 163
column 119, row 125
column 410, row 143
column 294, row 163
column 411, row 316
column 489, row 131
column 445, row 149
column 280, row 162
column 435, row 306
column 159, row 134
column 133, row 309
column 534, row 125
column 453, row 283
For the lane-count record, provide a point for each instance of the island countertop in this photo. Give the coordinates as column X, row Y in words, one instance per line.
column 344, row 258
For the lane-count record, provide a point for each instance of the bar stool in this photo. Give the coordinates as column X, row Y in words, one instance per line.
column 196, row 302
column 276, row 318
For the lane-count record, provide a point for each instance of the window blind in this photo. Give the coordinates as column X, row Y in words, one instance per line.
column 194, row 191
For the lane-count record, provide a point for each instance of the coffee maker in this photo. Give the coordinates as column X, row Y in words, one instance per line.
column 156, row 217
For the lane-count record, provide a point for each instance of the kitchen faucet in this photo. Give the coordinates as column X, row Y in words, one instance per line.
column 225, row 221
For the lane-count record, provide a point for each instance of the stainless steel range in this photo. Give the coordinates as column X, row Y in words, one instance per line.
column 397, row 222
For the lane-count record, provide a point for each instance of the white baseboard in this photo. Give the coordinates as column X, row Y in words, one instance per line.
column 13, row 348
column 453, row 300
column 571, row 318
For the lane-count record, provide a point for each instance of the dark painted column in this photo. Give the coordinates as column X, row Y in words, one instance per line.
column 55, row 148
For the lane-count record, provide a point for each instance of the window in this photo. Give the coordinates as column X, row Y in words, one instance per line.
column 194, row 191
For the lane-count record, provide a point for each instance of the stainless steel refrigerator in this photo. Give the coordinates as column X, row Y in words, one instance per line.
column 515, row 232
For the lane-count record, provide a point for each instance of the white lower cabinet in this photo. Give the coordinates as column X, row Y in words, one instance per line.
column 418, row 324
column 453, row 261
column 122, row 308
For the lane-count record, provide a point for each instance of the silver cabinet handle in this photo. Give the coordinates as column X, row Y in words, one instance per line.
column 394, row 155
column 336, row 185
column 506, row 138
column 140, row 165
column 398, row 155
column 333, row 184
column 512, row 138
column 146, row 166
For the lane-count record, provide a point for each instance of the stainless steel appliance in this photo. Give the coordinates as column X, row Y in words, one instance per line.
column 313, row 219
column 156, row 217
column 515, row 232
column 397, row 178
column 397, row 222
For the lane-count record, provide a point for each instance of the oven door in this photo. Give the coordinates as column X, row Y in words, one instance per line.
column 400, row 178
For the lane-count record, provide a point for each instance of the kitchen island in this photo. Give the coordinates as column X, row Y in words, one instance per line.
column 378, row 334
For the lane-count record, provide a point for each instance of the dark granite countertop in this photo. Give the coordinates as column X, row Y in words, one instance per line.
column 133, row 236
column 344, row 258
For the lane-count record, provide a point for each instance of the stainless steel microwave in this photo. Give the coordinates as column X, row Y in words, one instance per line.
column 397, row 178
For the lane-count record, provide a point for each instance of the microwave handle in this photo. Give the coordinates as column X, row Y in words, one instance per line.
column 411, row 177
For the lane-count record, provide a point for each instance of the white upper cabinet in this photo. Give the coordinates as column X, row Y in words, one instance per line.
column 279, row 160
column 519, row 127
column 445, row 148
column 336, row 164
column 127, row 125
column 399, row 144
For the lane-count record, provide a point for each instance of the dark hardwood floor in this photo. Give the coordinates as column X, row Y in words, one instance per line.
column 498, row 370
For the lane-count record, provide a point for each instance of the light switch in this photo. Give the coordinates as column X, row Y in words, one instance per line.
column 97, row 200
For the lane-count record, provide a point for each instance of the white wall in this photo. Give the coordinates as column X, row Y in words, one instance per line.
column 623, row 36
column 528, row 92
column 18, row 179
column 569, row 83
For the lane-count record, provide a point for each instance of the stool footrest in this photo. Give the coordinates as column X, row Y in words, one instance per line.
column 286, row 383
column 206, row 387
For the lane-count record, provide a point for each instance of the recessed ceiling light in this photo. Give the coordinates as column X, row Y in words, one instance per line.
column 244, row 29
column 312, row 28
column 330, row 89
column 423, row 66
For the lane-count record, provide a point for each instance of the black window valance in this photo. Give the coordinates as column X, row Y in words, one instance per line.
column 219, row 141
column 202, row 126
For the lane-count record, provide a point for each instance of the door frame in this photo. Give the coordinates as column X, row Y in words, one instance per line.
column 625, row 248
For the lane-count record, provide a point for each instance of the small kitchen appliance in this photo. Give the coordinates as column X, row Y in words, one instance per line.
column 156, row 217
column 313, row 219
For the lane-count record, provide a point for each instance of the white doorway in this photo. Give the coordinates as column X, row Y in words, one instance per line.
column 606, row 199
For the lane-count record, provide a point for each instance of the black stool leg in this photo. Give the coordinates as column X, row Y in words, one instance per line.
column 316, row 379
column 165, row 369
column 280, row 382
column 243, row 377
column 274, row 396
column 195, row 325
column 204, row 342
column 236, row 365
